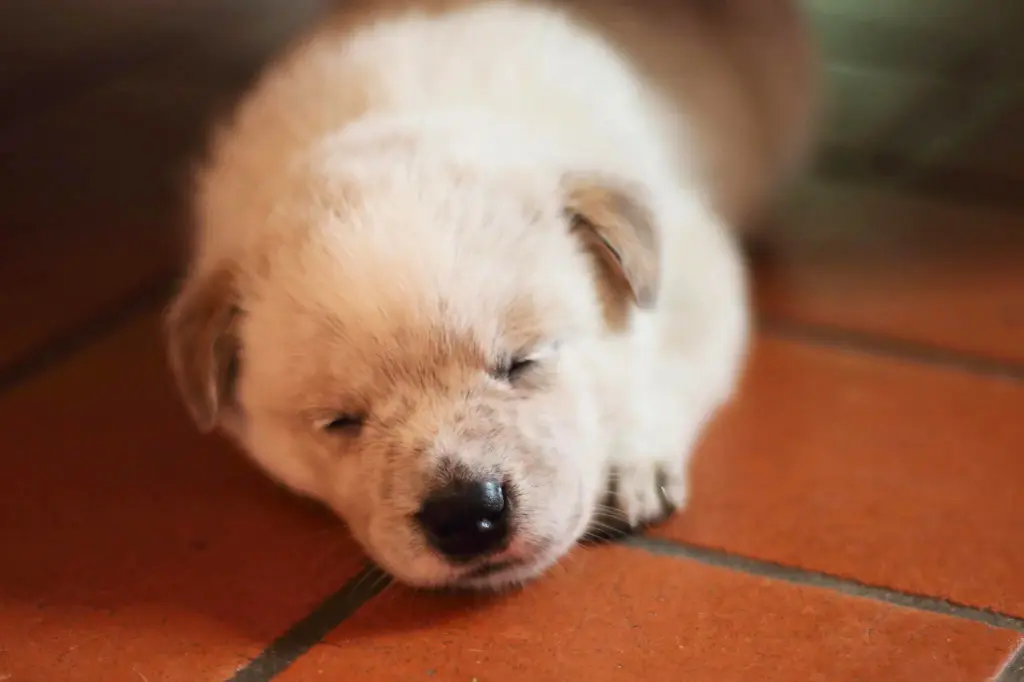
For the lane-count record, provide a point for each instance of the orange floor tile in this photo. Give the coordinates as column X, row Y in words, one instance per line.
column 621, row 614
column 923, row 270
column 112, row 229
column 132, row 544
column 856, row 514
column 889, row 472
column 97, row 182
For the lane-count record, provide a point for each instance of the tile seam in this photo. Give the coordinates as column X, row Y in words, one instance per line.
column 94, row 328
column 307, row 632
column 1013, row 669
column 804, row 577
column 338, row 607
column 887, row 347
column 151, row 294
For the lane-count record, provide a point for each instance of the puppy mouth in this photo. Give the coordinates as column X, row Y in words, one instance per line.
column 497, row 576
column 493, row 568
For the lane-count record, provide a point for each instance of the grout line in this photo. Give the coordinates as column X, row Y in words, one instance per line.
column 155, row 291
column 372, row 581
column 306, row 633
column 884, row 346
column 59, row 348
column 1013, row 670
column 800, row 576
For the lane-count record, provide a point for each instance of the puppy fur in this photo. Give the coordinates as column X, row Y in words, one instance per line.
column 422, row 191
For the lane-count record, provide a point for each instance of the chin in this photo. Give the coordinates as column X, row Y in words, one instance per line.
column 505, row 576
column 489, row 575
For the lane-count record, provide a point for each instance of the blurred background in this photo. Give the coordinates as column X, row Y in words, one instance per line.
column 891, row 302
column 104, row 102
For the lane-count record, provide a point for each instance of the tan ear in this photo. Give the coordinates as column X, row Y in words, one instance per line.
column 202, row 344
column 620, row 230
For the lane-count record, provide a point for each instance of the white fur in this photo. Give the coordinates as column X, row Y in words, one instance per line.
column 505, row 89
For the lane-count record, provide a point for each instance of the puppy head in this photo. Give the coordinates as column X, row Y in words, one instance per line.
column 423, row 353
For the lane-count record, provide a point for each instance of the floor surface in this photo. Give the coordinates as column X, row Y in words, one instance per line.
column 857, row 513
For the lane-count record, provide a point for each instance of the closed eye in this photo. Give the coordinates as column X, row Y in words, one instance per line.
column 514, row 369
column 344, row 423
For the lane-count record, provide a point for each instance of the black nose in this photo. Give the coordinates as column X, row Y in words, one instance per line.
column 466, row 519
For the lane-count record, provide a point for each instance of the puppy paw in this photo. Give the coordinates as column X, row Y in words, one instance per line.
column 640, row 494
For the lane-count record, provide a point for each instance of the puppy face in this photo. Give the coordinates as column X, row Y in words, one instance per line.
column 422, row 351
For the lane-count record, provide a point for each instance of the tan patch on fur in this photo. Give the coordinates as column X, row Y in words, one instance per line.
column 201, row 344
column 620, row 230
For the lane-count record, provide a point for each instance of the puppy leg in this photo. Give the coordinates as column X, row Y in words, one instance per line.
column 647, row 478
column 702, row 322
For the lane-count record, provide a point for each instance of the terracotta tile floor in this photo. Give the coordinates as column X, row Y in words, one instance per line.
column 857, row 514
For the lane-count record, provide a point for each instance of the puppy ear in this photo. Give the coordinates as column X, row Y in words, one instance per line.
column 615, row 224
column 203, row 344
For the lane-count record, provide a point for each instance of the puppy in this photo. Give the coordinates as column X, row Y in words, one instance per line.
column 463, row 271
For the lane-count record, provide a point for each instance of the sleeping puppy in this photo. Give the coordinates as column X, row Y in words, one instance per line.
column 464, row 272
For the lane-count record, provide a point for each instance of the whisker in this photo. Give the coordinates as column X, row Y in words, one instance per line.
column 560, row 564
column 608, row 509
column 600, row 525
column 392, row 589
column 371, row 576
column 383, row 582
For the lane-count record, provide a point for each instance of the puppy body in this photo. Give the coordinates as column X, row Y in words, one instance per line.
column 420, row 195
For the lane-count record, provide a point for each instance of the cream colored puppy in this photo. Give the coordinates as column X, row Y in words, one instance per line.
column 462, row 269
